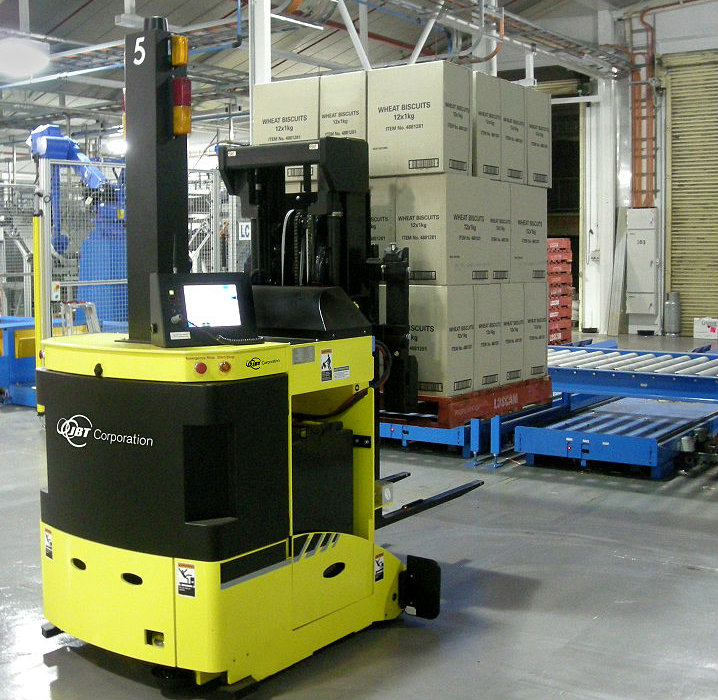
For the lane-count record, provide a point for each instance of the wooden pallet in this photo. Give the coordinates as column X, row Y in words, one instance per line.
column 457, row 410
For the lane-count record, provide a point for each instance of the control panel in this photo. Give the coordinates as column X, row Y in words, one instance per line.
column 201, row 309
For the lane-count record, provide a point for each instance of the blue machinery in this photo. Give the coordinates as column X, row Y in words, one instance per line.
column 17, row 360
column 103, row 252
column 672, row 395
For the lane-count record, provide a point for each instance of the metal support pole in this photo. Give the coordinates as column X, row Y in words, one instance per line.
column 24, row 12
column 424, row 35
column 606, row 193
column 260, row 49
column 216, row 222
column 351, row 29
column 42, row 254
column 364, row 26
column 530, row 80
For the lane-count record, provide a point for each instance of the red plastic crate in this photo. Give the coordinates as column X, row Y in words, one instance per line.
column 559, row 302
column 559, row 337
column 558, row 268
column 558, row 257
column 561, row 324
column 560, row 290
column 559, row 314
column 555, row 244
column 554, row 278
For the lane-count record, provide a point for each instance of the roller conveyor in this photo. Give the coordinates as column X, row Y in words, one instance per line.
column 641, row 432
column 612, row 372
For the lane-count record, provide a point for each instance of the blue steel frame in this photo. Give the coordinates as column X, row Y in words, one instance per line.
column 454, row 437
column 652, row 449
column 17, row 375
column 645, row 385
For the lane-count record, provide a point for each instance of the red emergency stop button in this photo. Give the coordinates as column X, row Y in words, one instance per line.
column 200, row 368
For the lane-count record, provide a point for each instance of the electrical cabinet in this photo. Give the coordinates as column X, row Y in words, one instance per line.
column 643, row 304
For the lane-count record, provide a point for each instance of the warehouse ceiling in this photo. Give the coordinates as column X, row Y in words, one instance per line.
column 82, row 88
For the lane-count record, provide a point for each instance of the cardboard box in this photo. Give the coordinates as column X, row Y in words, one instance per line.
column 287, row 110
column 486, row 125
column 418, row 119
column 342, row 105
column 455, row 228
column 497, row 196
column 538, row 138
column 487, row 336
column 512, row 333
column 535, row 330
column 383, row 211
column 513, row 133
column 705, row 328
column 441, row 323
column 528, row 233
column 294, row 179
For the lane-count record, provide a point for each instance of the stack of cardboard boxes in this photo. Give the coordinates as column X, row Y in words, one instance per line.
column 459, row 163
column 560, row 291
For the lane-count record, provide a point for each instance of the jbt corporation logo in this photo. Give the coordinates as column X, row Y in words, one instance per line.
column 254, row 363
column 75, row 430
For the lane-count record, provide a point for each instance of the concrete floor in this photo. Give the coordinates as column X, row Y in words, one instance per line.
column 556, row 584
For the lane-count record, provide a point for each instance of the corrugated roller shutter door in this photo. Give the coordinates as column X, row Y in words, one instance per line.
column 692, row 187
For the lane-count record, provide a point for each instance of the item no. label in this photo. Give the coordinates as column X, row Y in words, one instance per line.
column 47, row 541
column 186, row 580
column 378, row 568
column 326, row 367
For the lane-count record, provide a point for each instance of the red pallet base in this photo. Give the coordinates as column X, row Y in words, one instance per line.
column 457, row 410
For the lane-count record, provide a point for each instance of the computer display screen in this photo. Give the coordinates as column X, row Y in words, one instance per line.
column 212, row 305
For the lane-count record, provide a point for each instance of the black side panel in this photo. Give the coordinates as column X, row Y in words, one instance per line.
column 420, row 587
column 208, row 473
column 322, row 478
column 198, row 471
column 236, row 568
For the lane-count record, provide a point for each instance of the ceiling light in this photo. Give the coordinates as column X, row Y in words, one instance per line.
column 116, row 146
column 21, row 57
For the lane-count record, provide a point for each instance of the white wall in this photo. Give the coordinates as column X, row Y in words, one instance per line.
column 687, row 29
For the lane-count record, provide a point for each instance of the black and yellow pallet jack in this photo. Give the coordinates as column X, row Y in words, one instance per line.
column 213, row 486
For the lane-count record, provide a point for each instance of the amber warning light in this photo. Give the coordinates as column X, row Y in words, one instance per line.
column 182, row 111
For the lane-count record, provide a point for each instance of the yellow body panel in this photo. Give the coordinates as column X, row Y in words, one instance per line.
column 24, row 342
column 261, row 623
column 252, row 627
column 98, row 606
column 79, row 354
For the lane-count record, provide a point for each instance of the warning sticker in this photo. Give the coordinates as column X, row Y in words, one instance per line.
column 379, row 568
column 327, row 366
column 341, row 372
column 47, row 538
column 185, row 580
